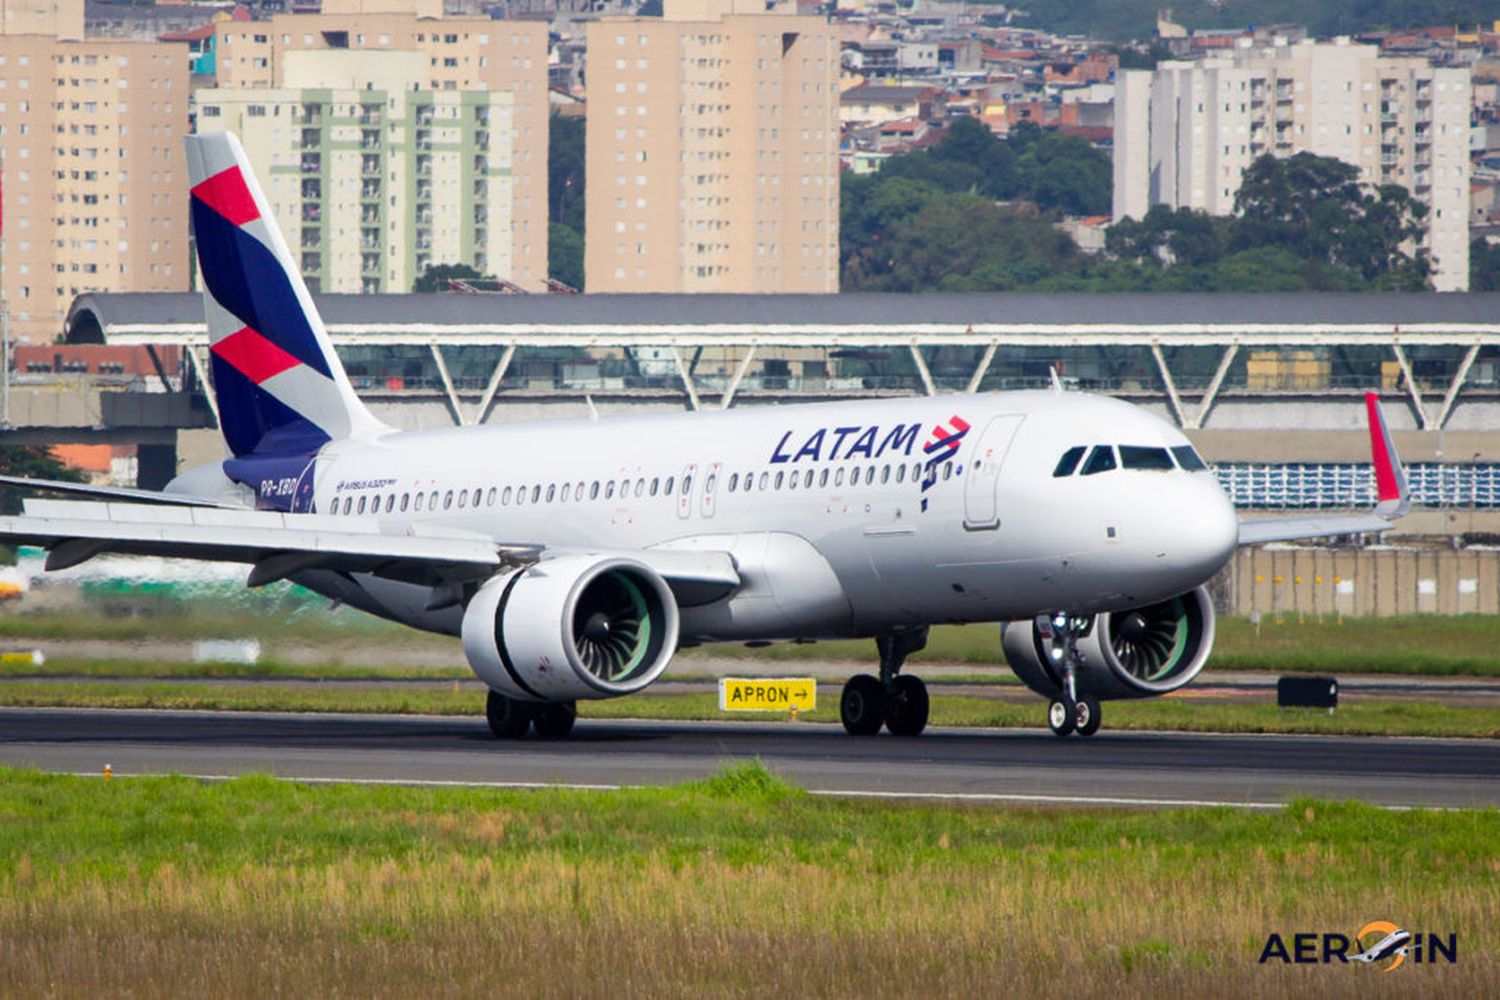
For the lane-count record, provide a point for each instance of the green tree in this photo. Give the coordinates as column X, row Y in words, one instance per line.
column 1484, row 266
column 1316, row 207
column 565, row 171
column 30, row 462
column 436, row 277
column 565, row 255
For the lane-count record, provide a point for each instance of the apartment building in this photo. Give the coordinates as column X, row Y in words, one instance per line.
column 456, row 55
column 370, row 184
column 1185, row 132
column 91, row 151
column 712, row 161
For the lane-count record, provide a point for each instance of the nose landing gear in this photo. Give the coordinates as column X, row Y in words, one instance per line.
column 898, row 701
column 1071, row 712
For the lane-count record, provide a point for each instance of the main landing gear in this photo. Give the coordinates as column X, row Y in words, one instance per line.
column 895, row 700
column 510, row 719
column 1071, row 712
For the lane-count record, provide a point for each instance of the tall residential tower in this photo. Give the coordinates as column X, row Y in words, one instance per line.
column 1186, row 131
column 712, row 161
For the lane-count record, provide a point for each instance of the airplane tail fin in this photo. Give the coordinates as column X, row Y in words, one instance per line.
column 1392, row 493
column 280, row 387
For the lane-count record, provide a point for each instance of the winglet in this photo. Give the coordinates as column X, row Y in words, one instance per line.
column 1391, row 490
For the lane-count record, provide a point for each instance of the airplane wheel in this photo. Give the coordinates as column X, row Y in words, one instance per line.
column 1088, row 715
column 907, row 706
column 555, row 721
column 862, row 705
column 509, row 719
column 1062, row 716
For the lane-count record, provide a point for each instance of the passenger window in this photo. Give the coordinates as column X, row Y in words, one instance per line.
column 432, row 499
column 1137, row 457
column 609, row 490
column 838, row 477
column 656, row 482
column 418, row 504
column 490, row 499
column 947, row 470
column 807, row 479
column 1069, row 462
column 793, row 481
column 551, row 492
column 870, row 475
column 901, row 473
column 823, row 478
column 687, row 485
column 463, row 498
column 667, row 489
column 640, row 488
column 567, row 491
column 505, row 497
column 765, row 478
column 594, row 490
column 1189, row 459
column 916, row 471
column 448, row 500
column 578, row 491
column 405, row 498
column 536, row 493
column 361, row 508
column 885, row 474
column 780, row 478
column 1101, row 459
column 734, row 483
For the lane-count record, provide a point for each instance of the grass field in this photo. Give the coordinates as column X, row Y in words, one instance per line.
column 1365, row 717
column 736, row 886
column 1427, row 644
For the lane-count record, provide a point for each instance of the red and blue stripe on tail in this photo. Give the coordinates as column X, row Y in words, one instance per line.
column 281, row 391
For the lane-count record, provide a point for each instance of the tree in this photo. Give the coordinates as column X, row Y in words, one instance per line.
column 436, row 277
column 1316, row 207
column 1484, row 266
column 565, row 171
column 565, row 255
column 30, row 462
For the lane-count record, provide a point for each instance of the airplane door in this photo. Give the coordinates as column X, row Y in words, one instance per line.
column 685, row 490
column 981, row 503
column 710, row 487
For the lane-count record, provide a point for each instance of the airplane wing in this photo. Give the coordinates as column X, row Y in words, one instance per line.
column 115, row 493
column 278, row 545
column 1393, row 496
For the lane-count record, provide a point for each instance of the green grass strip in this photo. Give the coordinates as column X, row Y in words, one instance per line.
column 1365, row 717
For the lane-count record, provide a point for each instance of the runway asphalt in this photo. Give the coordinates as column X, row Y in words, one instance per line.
column 1139, row 769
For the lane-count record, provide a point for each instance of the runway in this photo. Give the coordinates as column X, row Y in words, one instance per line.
column 1141, row 769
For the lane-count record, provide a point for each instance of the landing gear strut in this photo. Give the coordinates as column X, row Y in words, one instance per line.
column 1071, row 712
column 897, row 701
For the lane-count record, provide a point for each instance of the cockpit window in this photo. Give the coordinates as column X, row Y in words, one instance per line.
column 1134, row 456
column 1068, row 462
column 1188, row 458
column 1101, row 459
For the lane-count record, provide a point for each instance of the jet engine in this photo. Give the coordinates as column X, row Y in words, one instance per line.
column 1136, row 653
column 572, row 627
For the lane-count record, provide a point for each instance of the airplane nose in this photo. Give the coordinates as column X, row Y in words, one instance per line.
column 1205, row 530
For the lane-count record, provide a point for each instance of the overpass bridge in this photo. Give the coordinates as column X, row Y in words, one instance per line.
column 1253, row 378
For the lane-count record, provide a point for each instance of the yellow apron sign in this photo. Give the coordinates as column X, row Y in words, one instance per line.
column 763, row 694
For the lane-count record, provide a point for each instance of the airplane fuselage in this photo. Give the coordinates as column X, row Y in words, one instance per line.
column 844, row 518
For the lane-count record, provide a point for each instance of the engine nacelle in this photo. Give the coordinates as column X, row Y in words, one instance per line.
column 1127, row 654
column 570, row 628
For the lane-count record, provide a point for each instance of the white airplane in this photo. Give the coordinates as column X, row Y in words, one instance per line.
column 574, row 558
